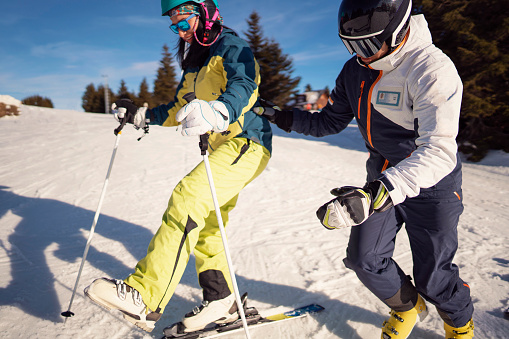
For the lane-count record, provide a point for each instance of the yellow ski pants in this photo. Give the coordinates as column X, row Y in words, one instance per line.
column 190, row 224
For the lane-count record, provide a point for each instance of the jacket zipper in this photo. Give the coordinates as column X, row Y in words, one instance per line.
column 368, row 122
column 386, row 164
column 360, row 99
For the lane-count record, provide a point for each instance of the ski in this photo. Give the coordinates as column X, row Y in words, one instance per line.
column 253, row 318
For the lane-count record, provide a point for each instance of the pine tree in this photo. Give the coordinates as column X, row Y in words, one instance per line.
column 123, row 92
column 277, row 84
column 144, row 95
column 475, row 35
column 308, row 88
column 253, row 34
column 90, row 99
column 93, row 99
column 165, row 85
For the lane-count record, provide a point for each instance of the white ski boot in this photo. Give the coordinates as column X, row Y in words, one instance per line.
column 115, row 294
column 220, row 311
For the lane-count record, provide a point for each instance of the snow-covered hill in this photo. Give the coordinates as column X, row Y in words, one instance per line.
column 52, row 171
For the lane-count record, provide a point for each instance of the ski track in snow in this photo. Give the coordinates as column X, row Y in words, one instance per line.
column 53, row 170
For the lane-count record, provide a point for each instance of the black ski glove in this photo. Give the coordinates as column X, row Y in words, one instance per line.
column 139, row 117
column 282, row 118
column 128, row 113
column 353, row 205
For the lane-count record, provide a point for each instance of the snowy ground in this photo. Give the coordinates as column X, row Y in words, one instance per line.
column 52, row 172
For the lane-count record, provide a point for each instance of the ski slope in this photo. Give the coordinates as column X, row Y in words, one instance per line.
column 52, row 171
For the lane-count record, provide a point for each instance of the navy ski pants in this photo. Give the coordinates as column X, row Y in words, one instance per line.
column 431, row 221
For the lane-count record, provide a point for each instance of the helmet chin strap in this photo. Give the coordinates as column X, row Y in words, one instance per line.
column 208, row 26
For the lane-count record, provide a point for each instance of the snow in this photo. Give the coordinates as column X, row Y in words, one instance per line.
column 52, row 173
column 8, row 100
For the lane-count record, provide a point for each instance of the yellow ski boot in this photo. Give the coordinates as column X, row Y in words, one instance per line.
column 400, row 324
column 464, row 332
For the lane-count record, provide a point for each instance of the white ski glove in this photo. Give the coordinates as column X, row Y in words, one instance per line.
column 200, row 116
column 139, row 119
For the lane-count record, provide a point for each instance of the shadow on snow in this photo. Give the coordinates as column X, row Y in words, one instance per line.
column 45, row 222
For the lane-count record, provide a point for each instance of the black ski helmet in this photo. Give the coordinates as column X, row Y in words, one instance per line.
column 364, row 25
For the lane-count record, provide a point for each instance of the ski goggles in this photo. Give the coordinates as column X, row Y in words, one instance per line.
column 183, row 25
column 365, row 47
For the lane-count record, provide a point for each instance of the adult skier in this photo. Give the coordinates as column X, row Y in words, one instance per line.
column 405, row 95
column 219, row 67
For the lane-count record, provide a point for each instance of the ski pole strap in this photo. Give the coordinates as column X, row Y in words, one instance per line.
column 145, row 129
column 122, row 117
column 243, row 150
column 119, row 128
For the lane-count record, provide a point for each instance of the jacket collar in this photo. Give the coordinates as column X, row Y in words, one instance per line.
column 418, row 37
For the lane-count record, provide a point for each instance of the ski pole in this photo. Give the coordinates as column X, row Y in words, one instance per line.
column 203, row 147
column 118, row 132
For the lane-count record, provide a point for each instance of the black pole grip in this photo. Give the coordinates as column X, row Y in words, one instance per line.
column 123, row 121
column 204, row 143
column 119, row 128
column 204, row 138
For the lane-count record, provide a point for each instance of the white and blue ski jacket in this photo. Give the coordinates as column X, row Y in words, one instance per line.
column 407, row 107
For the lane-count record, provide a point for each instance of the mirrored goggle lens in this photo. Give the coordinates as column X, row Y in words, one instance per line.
column 363, row 47
column 183, row 25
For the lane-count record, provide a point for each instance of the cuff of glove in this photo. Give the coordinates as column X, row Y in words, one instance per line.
column 381, row 199
column 224, row 120
column 149, row 115
column 284, row 120
column 139, row 118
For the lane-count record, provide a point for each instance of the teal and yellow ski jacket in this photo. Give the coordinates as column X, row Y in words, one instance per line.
column 230, row 75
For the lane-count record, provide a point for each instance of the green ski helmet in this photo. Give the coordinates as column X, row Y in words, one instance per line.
column 166, row 5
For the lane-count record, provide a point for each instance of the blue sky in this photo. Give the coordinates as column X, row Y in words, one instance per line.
column 55, row 48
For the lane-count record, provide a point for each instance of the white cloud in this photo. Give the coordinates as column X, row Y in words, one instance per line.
column 73, row 52
column 83, row 64
column 318, row 54
column 136, row 70
column 148, row 67
column 138, row 20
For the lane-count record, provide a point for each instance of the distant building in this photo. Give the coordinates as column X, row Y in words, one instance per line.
column 310, row 101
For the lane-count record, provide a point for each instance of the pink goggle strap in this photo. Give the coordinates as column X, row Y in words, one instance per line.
column 208, row 26
column 210, row 22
